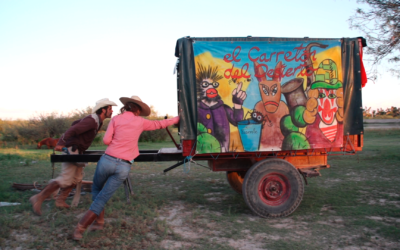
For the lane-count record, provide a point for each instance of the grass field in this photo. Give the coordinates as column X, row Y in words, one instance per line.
column 354, row 205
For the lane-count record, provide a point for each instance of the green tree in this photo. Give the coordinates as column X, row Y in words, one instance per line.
column 156, row 135
column 54, row 125
column 43, row 126
column 79, row 113
column 380, row 23
column 9, row 130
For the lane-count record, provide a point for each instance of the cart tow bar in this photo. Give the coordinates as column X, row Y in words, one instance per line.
column 174, row 166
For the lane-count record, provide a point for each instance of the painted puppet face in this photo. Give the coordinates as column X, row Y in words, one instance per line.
column 257, row 117
column 327, row 106
column 270, row 94
column 209, row 91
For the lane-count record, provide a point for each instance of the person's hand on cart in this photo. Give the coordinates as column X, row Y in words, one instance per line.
column 59, row 148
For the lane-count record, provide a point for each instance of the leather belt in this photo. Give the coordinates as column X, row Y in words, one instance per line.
column 118, row 159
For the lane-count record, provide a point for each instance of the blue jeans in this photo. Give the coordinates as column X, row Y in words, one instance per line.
column 110, row 174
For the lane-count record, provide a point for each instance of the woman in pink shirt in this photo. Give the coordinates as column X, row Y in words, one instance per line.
column 113, row 168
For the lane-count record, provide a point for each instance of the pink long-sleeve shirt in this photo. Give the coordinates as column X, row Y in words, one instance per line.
column 123, row 134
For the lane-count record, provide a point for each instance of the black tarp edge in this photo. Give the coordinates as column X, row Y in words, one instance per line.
column 187, row 104
column 353, row 115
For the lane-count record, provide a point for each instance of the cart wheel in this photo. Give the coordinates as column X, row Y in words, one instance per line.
column 273, row 188
column 235, row 180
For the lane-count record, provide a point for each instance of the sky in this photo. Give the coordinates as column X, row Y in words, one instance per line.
column 59, row 56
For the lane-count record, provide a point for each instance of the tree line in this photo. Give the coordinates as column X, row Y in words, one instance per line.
column 53, row 125
column 393, row 112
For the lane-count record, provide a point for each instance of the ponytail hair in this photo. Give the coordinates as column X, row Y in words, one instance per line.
column 130, row 107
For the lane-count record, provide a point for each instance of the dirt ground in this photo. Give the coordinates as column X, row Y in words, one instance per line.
column 200, row 227
column 191, row 228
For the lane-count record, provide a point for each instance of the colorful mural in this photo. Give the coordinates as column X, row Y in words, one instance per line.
column 268, row 96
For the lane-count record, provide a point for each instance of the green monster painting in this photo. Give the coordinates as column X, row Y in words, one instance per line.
column 206, row 143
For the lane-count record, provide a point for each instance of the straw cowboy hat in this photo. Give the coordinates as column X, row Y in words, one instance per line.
column 145, row 110
column 103, row 103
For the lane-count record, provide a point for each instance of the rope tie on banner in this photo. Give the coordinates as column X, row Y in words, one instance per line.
column 190, row 160
column 349, row 142
column 186, row 168
column 215, row 157
column 345, row 145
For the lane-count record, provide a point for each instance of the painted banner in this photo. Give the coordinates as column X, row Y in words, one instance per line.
column 268, row 95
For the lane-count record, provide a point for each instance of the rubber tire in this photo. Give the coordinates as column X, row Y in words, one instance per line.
column 235, row 180
column 257, row 173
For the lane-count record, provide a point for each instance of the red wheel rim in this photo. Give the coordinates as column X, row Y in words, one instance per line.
column 274, row 189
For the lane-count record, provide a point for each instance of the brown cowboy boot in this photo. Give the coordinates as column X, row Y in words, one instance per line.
column 38, row 199
column 62, row 196
column 98, row 224
column 86, row 220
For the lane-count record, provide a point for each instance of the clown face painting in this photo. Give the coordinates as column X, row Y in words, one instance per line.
column 327, row 106
column 326, row 101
